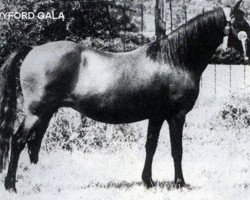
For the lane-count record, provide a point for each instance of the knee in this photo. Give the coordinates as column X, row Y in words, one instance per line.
column 177, row 153
column 151, row 145
column 18, row 143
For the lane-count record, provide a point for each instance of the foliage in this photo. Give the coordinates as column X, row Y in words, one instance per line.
column 71, row 131
column 235, row 114
column 104, row 21
column 230, row 56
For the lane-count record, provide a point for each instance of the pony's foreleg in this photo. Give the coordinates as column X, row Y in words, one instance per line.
column 154, row 128
column 36, row 137
column 19, row 140
column 176, row 124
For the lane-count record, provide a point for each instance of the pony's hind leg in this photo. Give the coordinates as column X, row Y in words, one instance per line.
column 19, row 140
column 36, row 137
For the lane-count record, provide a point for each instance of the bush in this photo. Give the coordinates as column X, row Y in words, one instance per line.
column 235, row 114
column 82, row 20
column 70, row 131
column 231, row 56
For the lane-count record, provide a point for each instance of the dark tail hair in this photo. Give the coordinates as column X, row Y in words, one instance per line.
column 8, row 100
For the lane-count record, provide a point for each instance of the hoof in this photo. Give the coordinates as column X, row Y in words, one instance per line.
column 148, row 182
column 12, row 190
column 33, row 157
column 179, row 183
column 10, row 184
column 34, row 161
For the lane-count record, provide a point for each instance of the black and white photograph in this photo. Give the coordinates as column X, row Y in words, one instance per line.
column 124, row 99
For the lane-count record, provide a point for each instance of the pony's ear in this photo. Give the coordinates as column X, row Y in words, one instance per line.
column 237, row 5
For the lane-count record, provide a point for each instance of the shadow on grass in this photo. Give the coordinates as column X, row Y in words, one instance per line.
column 169, row 185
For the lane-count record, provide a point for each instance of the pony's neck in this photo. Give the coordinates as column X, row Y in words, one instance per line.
column 192, row 45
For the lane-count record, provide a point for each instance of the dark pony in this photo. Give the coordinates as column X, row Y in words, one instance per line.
column 158, row 81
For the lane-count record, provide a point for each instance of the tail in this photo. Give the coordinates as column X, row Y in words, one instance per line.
column 8, row 100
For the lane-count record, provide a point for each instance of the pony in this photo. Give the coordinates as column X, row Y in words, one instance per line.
column 158, row 81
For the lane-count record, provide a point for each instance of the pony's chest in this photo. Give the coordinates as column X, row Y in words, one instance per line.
column 181, row 86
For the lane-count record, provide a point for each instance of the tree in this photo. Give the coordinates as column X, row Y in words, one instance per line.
column 103, row 20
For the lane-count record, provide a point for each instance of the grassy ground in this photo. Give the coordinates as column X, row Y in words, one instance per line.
column 216, row 165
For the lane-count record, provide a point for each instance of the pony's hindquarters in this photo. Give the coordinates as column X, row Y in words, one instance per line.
column 8, row 74
column 48, row 74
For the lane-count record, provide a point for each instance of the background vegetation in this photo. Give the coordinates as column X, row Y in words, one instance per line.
column 102, row 24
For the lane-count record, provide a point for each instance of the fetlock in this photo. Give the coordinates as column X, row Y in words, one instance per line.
column 33, row 153
column 33, row 157
column 10, row 183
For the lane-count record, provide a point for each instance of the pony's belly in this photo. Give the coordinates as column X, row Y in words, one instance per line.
column 113, row 116
column 115, row 113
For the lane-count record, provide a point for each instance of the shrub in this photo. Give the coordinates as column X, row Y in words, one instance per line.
column 235, row 114
column 70, row 131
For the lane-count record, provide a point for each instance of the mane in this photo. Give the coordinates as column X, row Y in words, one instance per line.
column 180, row 46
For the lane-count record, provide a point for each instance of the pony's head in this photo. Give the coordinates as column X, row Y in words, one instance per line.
column 237, row 30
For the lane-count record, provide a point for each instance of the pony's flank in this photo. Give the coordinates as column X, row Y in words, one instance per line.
column 178, row 47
